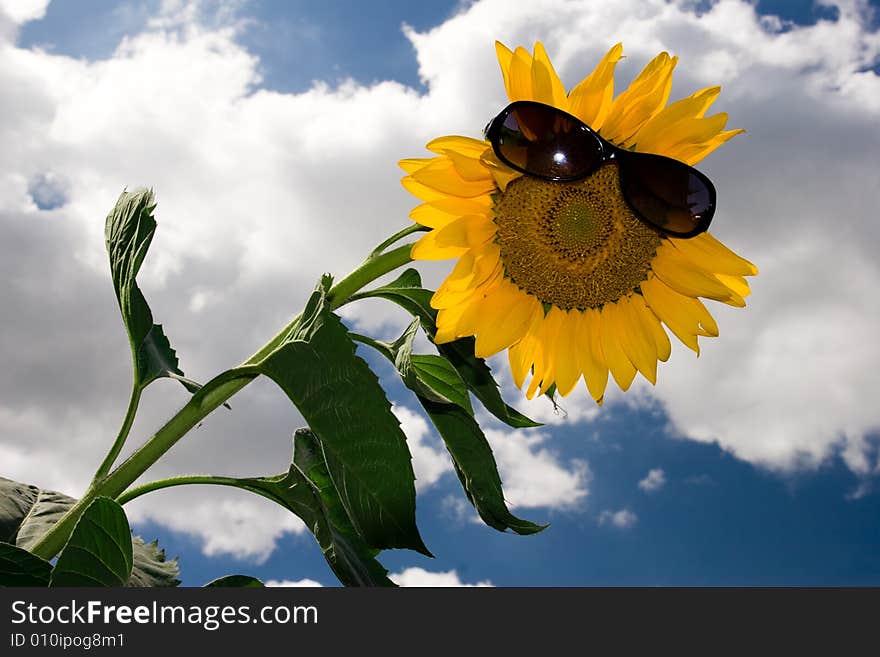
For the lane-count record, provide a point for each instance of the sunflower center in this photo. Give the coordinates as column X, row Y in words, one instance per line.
column 573, row 245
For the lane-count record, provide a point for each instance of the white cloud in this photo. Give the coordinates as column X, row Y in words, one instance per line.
column 654, row 480
column 533, row 474
column 623, row 519
column 239, row 525
column 409, row 577
column 22, row 11
column 309, row 583
column 260, row 192
column 458, row 508
column 419, row 577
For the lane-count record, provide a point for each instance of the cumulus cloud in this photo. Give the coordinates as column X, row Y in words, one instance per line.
column 237, row 524
column 623, row 519
column 533, row 474
column 249, row 218
column 309, row 583
column 654, row 480
column 419, row 577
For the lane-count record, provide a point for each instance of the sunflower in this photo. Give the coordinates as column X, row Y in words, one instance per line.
column 564, row 275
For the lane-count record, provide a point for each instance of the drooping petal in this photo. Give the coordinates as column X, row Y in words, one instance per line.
column 652, row 326
column 636, row 343
column 619, row 363
column 589, row 354
column 567, row 346
column 686, row 317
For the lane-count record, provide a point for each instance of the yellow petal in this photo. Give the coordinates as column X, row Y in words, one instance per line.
column 590, row 100
column 651, row 324
column 442, row 176
column 686, row 317
column 546, row 86
column 467, row 146
column 644, row 98
column 505, row 59
column 737, row 284
column 566, row 373
column 669, row 125
column 521, row 355
column 437, row 214
column 420, row 191
column 412, row 164
column 473, row 269
column 470, row 318
column 620, row 365
column 545, row 363
column 520, row 76
column 710, row 254
column 637, row 345
column 589, row 354
column 454, row 239
column 684, row 277
column 692, row 154
column 504, row 319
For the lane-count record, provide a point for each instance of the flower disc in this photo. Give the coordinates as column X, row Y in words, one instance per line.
column 575, row 244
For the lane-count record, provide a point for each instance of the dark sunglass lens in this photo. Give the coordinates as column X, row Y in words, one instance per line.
column 546, row 142
column 667, row 193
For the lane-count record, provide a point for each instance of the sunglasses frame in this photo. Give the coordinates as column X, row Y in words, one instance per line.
column 608, row 152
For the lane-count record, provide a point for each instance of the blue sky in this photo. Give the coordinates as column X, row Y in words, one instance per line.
column 801, row 507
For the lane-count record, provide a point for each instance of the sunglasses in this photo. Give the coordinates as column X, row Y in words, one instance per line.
column 545, row 142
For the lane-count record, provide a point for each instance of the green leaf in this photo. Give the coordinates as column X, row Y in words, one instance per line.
column 27, row 512
column 470, row 451
column 98, row 552
column 407, row 293
column 343, row 403
column 433, row 377
column 245, row 581
column 317, row 503
column 129, row 229
column 475, row 466
column 151, row 568
column 19, row 567
column 353, row 561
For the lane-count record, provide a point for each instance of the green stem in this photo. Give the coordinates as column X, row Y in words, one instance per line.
column 213, row 394
column 382, row 347
column 184, row 480
column 371, row 269
column 130, row 412
column 409, row 230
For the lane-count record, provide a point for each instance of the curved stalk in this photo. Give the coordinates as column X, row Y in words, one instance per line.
column 130, row 412
column 409, row 230
column 170, row 482
column 204, row 401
